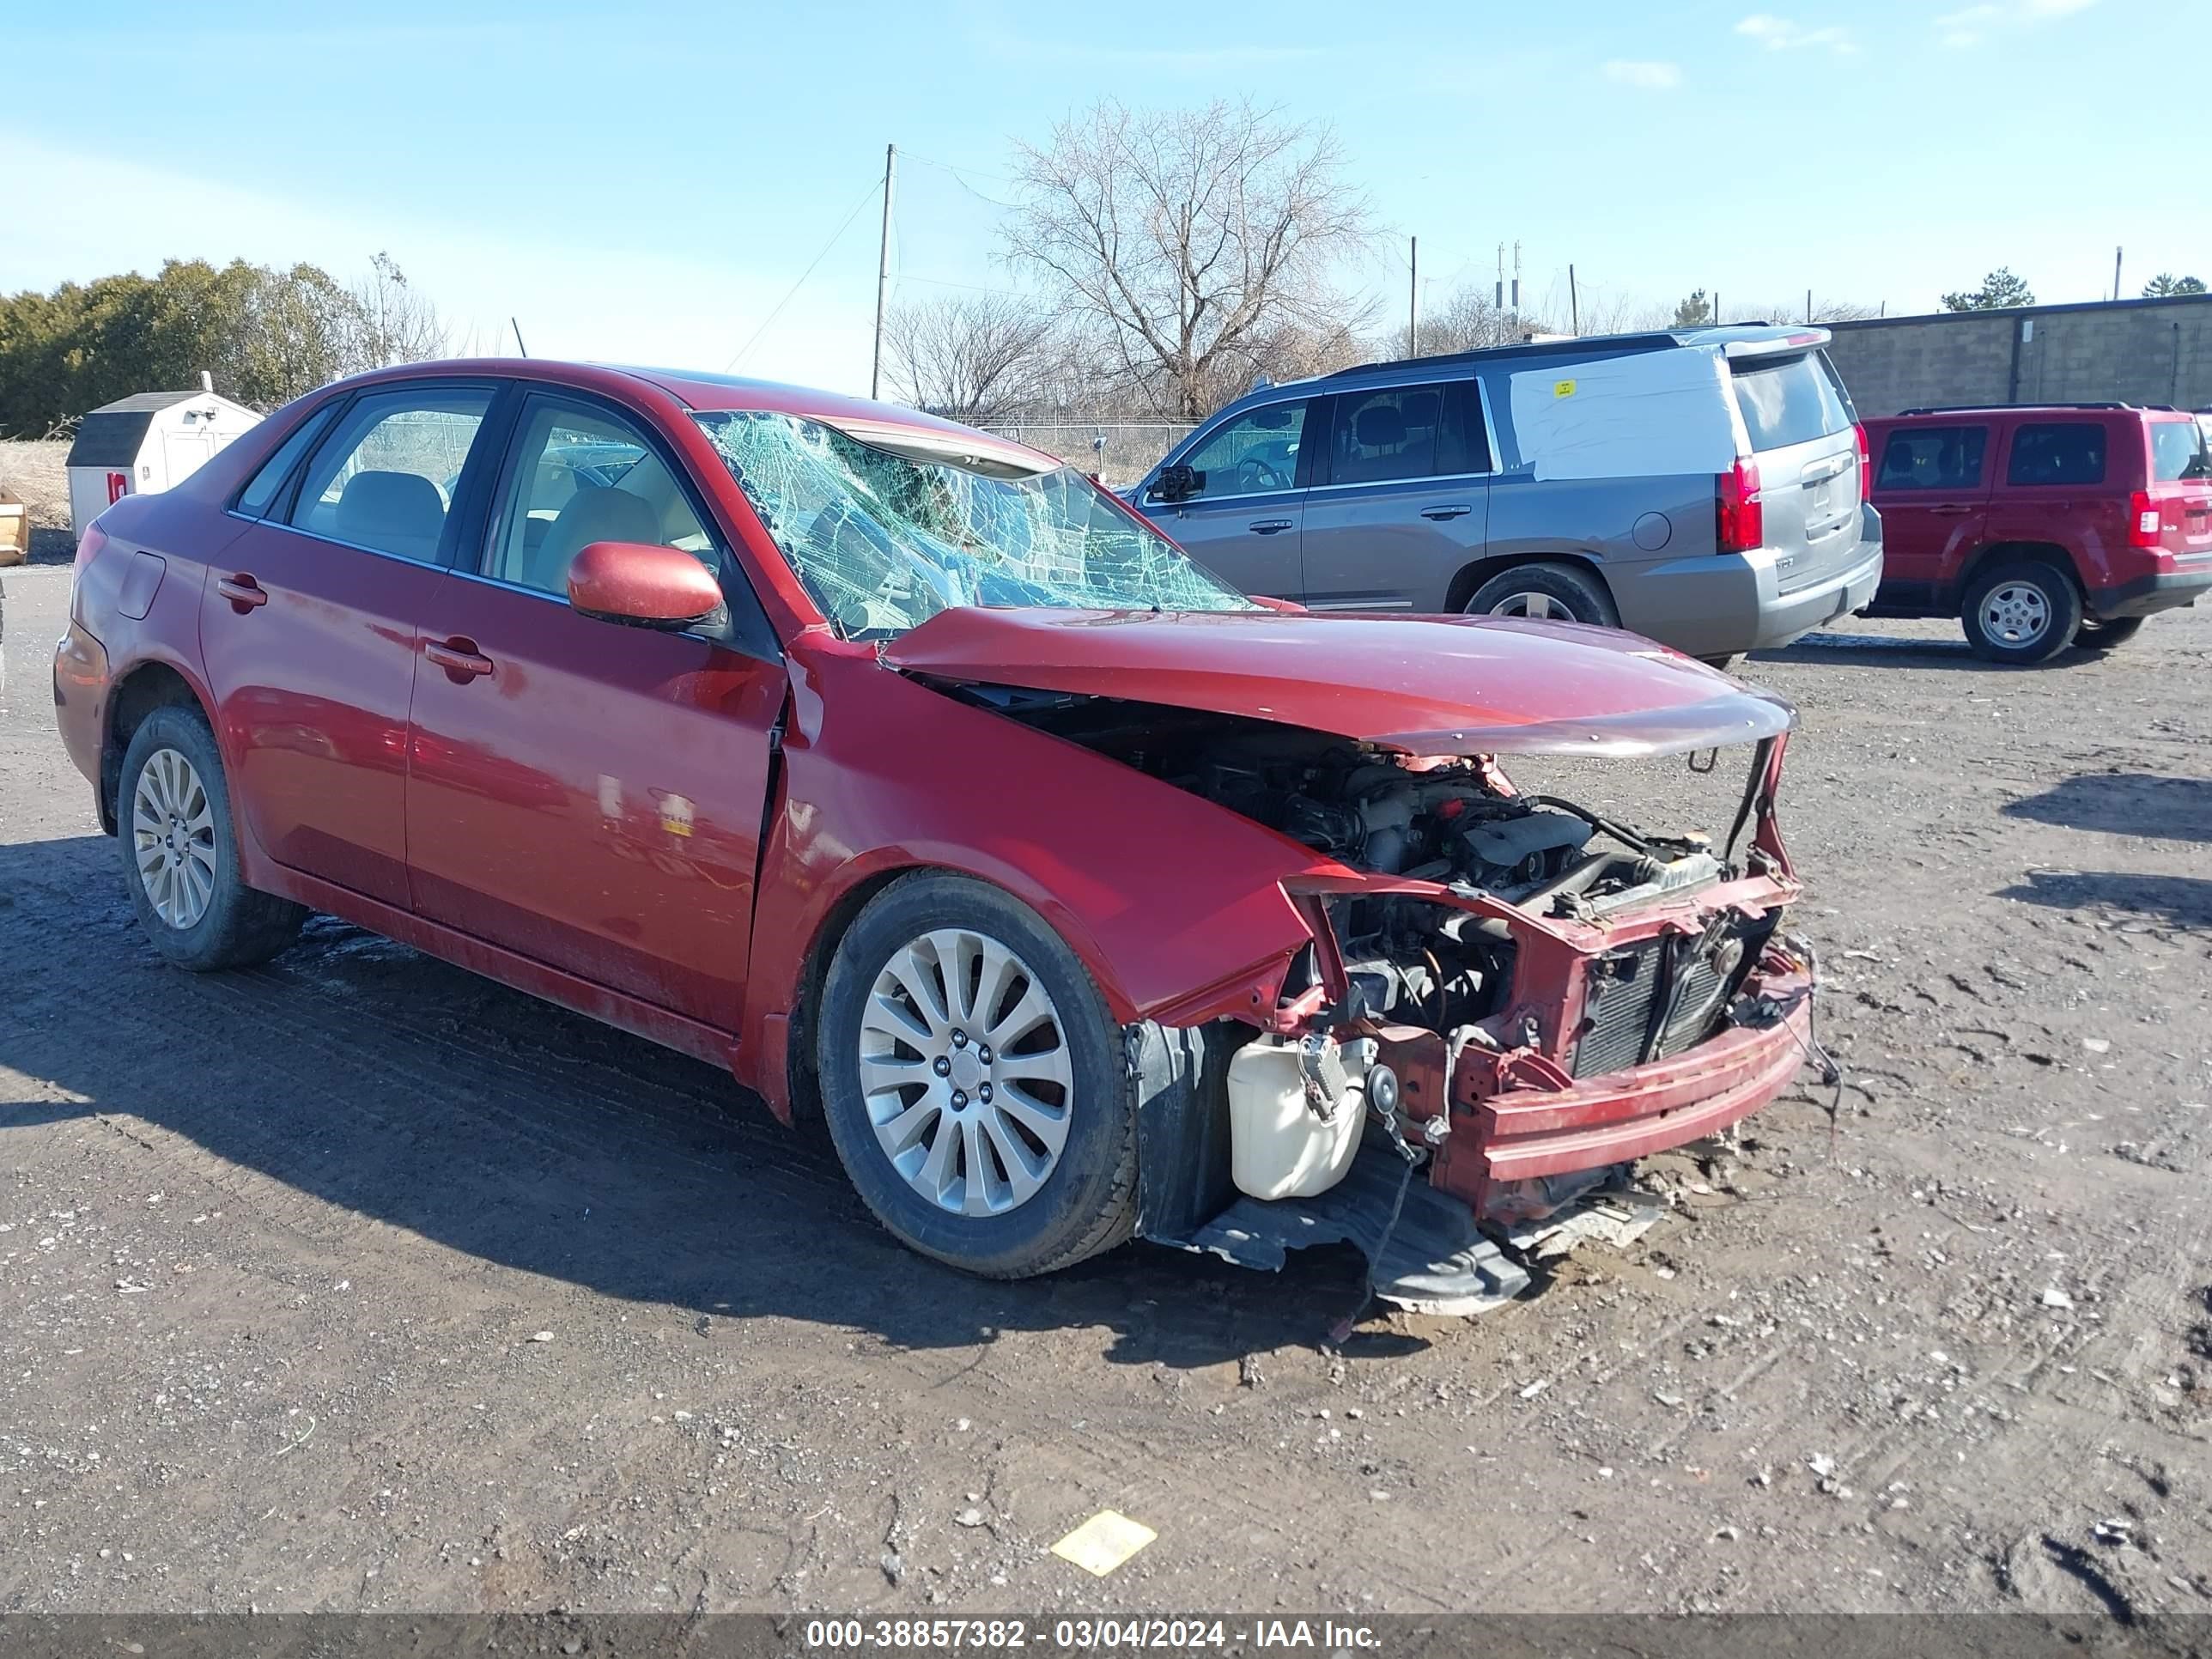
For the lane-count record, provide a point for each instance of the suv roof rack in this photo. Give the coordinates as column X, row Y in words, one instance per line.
column 1654, row 340
column 1999, row 408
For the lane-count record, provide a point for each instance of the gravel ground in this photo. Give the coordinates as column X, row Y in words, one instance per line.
column 357, row 1283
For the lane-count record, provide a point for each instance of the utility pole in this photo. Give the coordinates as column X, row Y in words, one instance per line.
column 1574, row 303
column 519, row 346
column 884, row 269
column 1717, row 319
column 2117, row 253
column 1516, row 281
column 1413, row 296
column 1808, row 304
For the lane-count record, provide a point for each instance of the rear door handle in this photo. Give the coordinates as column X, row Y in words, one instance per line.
column 459, row 658
column 1447, row 510
column 1268, row 526
column 243, row 592
column 1951, row 512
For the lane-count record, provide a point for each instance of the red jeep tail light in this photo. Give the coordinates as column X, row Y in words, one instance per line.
column 1866, row 463
column 2146, row 520
column 1742, row 524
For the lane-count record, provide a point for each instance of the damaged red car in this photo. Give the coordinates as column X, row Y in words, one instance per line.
column 909, row 775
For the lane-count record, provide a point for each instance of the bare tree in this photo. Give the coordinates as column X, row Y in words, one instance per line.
column 978, row 358
column 1467, row 321
column 1186, row 233
column 393, row 322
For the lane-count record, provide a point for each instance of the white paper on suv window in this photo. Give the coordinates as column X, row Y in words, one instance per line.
column 1655, row 414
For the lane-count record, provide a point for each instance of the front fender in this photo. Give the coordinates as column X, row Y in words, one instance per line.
column 1172, row 903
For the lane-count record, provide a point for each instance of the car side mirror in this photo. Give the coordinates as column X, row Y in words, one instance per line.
column 1178, row 483
column 643, row 586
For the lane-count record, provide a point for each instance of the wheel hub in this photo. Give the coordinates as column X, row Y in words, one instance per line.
column 2016, row 613
column 173, row 838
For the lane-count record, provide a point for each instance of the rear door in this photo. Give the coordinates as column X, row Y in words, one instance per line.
column 1243, row 522
column 1932, row 487
column 1400, row 497
column 2064, row 485
column 1800, row 429
column 307, row 629
column 586, row 794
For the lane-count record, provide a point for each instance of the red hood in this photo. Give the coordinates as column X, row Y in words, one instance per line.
column 1427, row 685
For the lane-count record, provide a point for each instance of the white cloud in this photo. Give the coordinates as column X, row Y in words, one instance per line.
column 1972, row 25
column 1786, row 34
column 1652, row 76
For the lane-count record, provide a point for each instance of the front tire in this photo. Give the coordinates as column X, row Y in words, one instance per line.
column 2020, row 612
column 973, row 1083
column 1546, row 593
column 180, row 852
column 2106, row 636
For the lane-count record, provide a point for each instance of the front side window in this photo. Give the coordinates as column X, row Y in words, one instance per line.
column 1402, row 432
column 2058, row 452
column 1933, row 457
column 581, row 475
column 2176, row 452
column 1255, row 452
column 384, row 477
column 882, row 540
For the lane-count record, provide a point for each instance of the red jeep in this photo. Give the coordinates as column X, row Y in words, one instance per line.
column 2041, row 527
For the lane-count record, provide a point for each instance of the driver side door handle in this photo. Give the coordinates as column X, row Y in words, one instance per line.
column 1269, row 526
column 1447, row 510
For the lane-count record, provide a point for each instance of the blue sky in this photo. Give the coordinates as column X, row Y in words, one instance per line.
column 646, row 182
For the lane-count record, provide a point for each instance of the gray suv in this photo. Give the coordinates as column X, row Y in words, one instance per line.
column 1703, row 487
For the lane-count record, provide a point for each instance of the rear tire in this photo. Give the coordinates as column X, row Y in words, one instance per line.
column 180, row 851
column 2020, row 612
column 2105, row 635
column 1546, row 593
column 1007, row 1163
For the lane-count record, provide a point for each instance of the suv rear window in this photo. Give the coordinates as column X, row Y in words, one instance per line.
column 2058, row 452
column 2176, row 452
column 1789, row 400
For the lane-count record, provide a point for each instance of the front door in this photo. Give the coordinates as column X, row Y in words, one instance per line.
column 1932, row 485
column 1401, row 498
column 583, row 793
column 307, row 631
column 1242, row 521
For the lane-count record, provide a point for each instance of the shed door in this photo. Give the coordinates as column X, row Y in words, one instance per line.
column 184, row 452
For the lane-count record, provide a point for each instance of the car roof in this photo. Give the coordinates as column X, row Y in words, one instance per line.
column 1931, row 412
column 700, row 389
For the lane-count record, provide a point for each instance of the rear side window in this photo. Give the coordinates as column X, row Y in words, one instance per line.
column 260, row 491
column 1933, row 457
column 385, row 479
column 1402, row 432
column 2176, row 452
column 1789, row 400
column 2058, row 452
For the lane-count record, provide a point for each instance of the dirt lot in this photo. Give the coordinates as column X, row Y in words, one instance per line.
column 355, row 1282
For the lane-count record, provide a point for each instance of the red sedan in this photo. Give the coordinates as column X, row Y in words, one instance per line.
column 908, row 774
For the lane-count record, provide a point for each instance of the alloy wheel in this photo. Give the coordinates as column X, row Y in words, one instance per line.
column 966, row 1072
column 173, row 838
column 2016, row 613
column 1541, row 606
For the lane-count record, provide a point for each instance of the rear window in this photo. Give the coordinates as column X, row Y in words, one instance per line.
column 2176, row 452
column 2058, row 452
column 1789, row 400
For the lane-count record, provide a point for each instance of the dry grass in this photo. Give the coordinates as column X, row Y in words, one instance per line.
column 34, row 472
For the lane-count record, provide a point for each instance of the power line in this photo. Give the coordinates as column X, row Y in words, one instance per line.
column 961, row 176
column 866, row 196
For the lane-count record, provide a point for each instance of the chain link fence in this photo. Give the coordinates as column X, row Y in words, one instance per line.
column 1119, row 451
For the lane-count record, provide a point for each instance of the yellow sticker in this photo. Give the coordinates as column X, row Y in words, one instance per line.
column 1104, row 1542
column 1562, row 388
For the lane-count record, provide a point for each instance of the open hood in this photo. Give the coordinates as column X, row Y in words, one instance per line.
column 1425, row 685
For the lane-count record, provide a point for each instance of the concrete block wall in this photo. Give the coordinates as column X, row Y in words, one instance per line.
column 2135, row 351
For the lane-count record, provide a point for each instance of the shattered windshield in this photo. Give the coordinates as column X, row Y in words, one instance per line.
column 885, row 541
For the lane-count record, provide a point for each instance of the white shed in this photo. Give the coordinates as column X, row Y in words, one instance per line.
column 155, row 440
